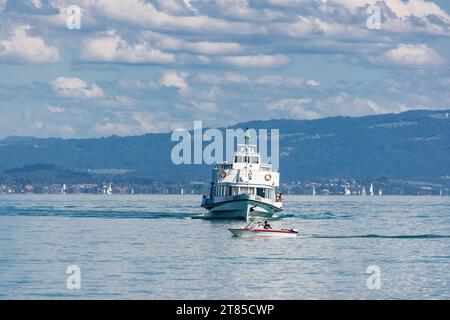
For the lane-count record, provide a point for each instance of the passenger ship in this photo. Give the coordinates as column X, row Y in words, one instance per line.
column 243, row 189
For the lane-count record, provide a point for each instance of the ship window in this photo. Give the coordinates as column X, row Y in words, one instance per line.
column 261, row 192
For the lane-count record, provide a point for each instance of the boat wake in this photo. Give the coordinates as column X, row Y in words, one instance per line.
column 99, row 214
column 316, row 216
column 380, row 236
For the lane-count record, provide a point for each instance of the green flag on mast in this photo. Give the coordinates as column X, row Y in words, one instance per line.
column 247, row 135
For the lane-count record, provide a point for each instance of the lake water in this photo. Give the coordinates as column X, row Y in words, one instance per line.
column 158, row 247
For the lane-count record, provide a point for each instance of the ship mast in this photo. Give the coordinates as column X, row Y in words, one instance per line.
column 247, row 138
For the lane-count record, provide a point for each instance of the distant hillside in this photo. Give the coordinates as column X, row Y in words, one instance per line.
column 409, row 145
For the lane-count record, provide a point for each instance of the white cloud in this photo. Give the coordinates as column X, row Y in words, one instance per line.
column 200, row 42
column 284, row 104
column 236, row 78
column 125, row 100
column 176, row 80
column 76, row 88
column 402, row 9
column 145, row 14
column 221, row 79
column 166, row 42
column 176, row 7
column 298, row 108
column 55, row 109
column 37, row 3
column 256, row 61
column 112, row 48
column 271, row 80
column 416, row 8
column 313, row 83
column 242, row 10
column 2, row 4
column 206, row 106
column 21, row 47
column 410, row 56
column 137, row 84
column 133, row 123
column 313, row 26
column 203, row 47
column 109, row 128
column 288, row 82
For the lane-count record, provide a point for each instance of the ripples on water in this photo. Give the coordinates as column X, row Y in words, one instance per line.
column 159, row 247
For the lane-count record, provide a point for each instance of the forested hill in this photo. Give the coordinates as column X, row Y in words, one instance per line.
column 409, row 145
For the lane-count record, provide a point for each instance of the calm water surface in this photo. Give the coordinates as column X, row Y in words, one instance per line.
column 158, row 247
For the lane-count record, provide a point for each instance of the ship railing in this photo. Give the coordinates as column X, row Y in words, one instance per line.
column 224, row 166
column 246, row 145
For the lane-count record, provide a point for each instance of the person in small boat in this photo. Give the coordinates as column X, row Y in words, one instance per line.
column 267, row 225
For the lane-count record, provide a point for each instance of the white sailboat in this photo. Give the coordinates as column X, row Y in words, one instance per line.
column 363, row 191
column 371, row 189
column 314, row 191
column 109, row 191
column 380, row 193
column 245, row 188
column 347, row 191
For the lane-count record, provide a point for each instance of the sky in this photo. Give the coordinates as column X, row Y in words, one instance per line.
column 137, row 66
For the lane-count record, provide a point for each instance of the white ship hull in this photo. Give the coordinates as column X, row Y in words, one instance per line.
column 240, row 207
